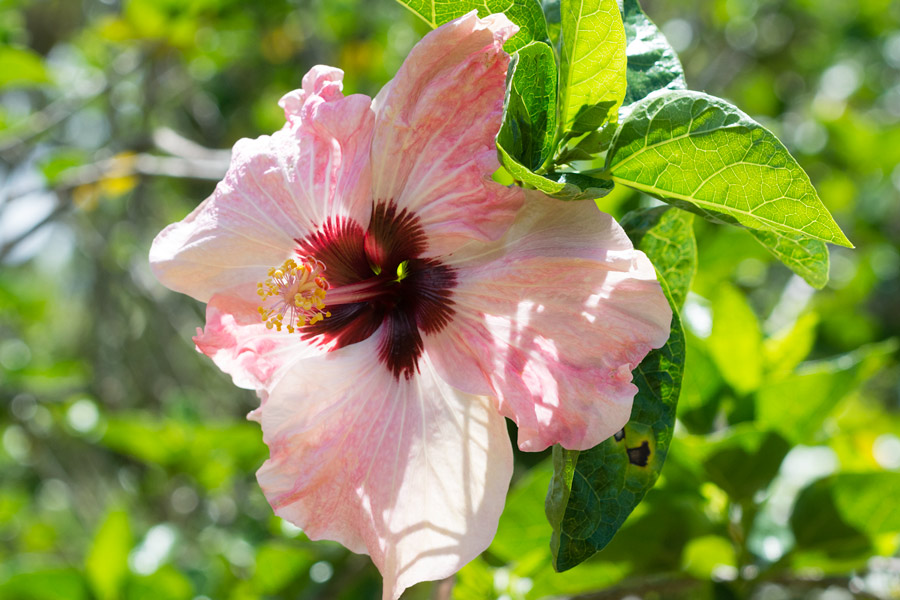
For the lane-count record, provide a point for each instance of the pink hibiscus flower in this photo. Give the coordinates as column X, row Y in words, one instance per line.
column 391, row 304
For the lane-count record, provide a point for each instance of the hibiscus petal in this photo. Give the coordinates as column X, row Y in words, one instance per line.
column 551, row 320
column 241, row 345
column 433, row 149
column 411, row 472
column 277, row 189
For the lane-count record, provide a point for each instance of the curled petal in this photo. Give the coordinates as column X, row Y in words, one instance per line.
column 433, row 149
column 277, row 189
column 411, row 472
column 551, row 321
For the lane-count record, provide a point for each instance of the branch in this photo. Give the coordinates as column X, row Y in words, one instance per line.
column 210, row 167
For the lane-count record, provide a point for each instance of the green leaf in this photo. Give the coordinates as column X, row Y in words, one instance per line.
column 744, row 461
column 527, row 14
column 593, row 62
column 666, row 235
column 106, row 565
column 45, row 584
column 787, row 349
column 279, row 564
column 593, row 491
column 818, row 524
column 553, row 16
column 821, row 385
column 564, row 186
column 529, row 118
column 522, row 528
column 701, row 153
column 868, row 501
column 652, row 62
column 806, row 257
column 21, row 67
column 703, row 555
column 735, row 344
column 167, row 583
column 526, row 138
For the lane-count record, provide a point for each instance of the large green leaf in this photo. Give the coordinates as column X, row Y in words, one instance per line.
column 701, row 153
column 529, row 116
column 592, row 64
column 593, row 491
column 652, row 62
column 527, row 14
column 806, row 257
column 666, row 235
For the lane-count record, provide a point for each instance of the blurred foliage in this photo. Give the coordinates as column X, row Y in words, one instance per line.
column 126, row 469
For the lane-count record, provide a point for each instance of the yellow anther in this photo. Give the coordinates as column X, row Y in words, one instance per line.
column 294, row 295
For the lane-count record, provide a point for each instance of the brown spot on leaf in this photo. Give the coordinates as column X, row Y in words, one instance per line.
column 639, row 455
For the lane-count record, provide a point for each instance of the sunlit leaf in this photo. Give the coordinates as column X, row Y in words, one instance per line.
column 523, row 527
column 44, row 584
column 278, row 564
column 868, row 500
column 165, row 584
column 592, row 64
column 106, row 566
column 703, row 555
column 527, row 14
column 798, row 405
column 529, row 123
column 701, row 153
column 806, row 257
column 667, row 236
column 21, row 67
column 787, row 349
column 735, row 344
column 652, row 63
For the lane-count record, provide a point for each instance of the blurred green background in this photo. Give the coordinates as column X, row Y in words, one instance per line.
column 126, row 465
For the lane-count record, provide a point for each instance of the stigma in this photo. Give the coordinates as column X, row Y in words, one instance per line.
column 294, row 295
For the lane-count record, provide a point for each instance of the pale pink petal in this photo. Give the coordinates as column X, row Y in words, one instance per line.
column 411, row 472
column 551, row 320
column 239, row 343
column 433, row 150
column 277, row 189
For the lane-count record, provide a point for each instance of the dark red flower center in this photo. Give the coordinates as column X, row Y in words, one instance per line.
column 377, row 278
